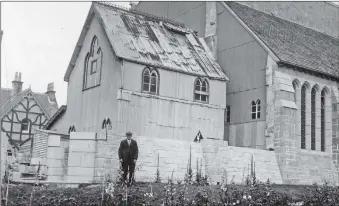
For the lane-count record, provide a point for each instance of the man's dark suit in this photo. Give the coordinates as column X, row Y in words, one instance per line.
column 128, row 153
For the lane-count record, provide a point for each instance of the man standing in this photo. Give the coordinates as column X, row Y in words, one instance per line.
column 128, row 155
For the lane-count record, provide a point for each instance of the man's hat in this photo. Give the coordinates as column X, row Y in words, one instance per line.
column 129, row 133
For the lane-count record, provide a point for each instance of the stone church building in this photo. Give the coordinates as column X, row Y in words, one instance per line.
column 283, row 65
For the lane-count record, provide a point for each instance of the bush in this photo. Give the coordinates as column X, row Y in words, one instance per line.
column 321, row 195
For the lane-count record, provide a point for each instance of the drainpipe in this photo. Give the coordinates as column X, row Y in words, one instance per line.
column 122, row 74
column 211, row 27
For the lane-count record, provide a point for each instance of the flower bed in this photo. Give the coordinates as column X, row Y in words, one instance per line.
column 174, row 194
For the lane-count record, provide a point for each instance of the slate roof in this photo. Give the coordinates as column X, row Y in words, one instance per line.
column 292, row 43
column 61, row 111
column 7, row 102
column 139, row 38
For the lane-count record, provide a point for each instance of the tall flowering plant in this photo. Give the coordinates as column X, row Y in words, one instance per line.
column 169, row 192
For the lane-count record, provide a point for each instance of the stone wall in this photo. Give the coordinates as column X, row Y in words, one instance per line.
column 297, row 166
column 335, row 128
column 81, row 157
column 215, row 155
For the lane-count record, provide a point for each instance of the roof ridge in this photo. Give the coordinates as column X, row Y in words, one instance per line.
column 323, row 33
column 139, row 12
column 12, row 97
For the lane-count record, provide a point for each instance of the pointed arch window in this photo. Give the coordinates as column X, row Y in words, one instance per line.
column 92, row 65
column 228, row 114
column 255, row 109
column 295, row 84
column 201, row 90
column 303, row 116
column 323, row 99
column 25, row 125
column 71, row 129
column 150, row 81
column 313, row 116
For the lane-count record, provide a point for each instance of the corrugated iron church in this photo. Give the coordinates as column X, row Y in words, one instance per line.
column 155, row 79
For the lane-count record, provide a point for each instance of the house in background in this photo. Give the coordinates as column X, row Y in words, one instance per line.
column 22, row 111
column 146, row 74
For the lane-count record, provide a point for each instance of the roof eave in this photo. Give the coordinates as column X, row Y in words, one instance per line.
column 56, row 116
column 281, row 62
column 80, row 41
column 251, row 32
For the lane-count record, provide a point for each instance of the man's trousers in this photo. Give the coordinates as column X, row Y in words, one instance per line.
column 128, row 168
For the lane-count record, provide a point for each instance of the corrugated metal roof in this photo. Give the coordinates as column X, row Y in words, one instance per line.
column 149, row 41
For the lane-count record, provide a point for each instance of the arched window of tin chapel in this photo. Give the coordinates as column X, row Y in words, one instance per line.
column 201, row 90
column 150, row 80
column 255, row 109
column 92, row 65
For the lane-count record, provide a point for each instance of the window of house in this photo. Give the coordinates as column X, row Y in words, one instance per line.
column 303, row 116
column 150, row 80
column 313, row 116
column 322, row 125
column 255, row 109
column 201, row 90
column 25, row 123
column 228, row 113
column 92, row 65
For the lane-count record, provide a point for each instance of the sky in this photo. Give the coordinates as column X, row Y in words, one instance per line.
column 38, row 41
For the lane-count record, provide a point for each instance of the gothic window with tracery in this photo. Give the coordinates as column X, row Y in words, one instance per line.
column 25, row 124
column 150, row 80
column 93, row 63
column 255, row 109
column 313, row 116
column 303, row 116
column 201, row 90
column 323, row 93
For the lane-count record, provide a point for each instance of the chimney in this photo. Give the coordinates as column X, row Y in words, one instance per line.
column 50, row 92
column 17, row 84
column 211, row 27
column 133, row 5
